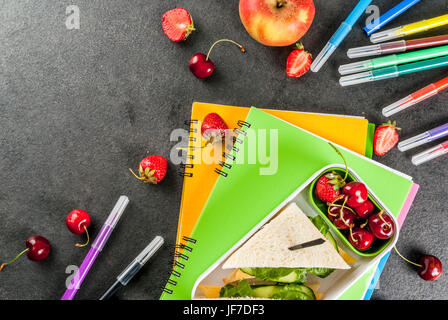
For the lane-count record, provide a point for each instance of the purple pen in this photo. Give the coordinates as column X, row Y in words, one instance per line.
column 96, row 248
column 423, row 138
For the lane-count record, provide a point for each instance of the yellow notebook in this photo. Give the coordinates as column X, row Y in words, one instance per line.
column 200, row 178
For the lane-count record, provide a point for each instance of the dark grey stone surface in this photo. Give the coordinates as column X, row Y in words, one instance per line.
column 79, row 107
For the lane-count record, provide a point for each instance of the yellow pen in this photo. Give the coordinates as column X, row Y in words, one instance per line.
column 408, row 29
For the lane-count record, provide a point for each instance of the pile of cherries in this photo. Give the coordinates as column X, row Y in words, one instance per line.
column 349, row 208
column 352, row 210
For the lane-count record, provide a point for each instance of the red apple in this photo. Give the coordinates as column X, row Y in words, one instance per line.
column 277, row 22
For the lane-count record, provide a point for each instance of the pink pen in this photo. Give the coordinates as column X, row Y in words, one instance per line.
column 96, row 248
column 430, row 154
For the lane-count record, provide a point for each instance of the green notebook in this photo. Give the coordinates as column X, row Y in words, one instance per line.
column 242, row 197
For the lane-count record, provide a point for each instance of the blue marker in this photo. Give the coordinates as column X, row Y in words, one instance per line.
column 340, row 35
column 390, row 15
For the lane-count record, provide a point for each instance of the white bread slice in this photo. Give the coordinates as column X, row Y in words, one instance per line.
column 268, row 248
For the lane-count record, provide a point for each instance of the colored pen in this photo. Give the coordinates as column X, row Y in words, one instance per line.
column 96, row 248
column 430, row 154
column 409, row 29
column 396, row 46
column 340, row 35
column 393, row 59
column 390, row 15
column 134, row 267
column 393, row 72
column 416, row 97
column 423, row 138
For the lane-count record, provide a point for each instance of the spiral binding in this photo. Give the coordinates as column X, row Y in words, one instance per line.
column 186, row 245
column 183, row 172
column 229, row 156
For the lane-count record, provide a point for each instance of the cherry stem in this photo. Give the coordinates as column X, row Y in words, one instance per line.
column 415, row 264
column 6, row 263
column 351, row 236
column 139, row 178
column 345, row 162
column 88, row 239
column 380, row 214
column 243, row 50
column 341, row 213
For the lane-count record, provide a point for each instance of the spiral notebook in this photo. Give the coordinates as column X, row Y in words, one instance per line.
column 179, row 289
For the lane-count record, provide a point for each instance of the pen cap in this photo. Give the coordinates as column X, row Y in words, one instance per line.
column 117, row 211
column 386, row 35
column 356, row 67
column 140, row 260
column 377, row 49
column 356, row 79
column 430, row 154
column 414, row 142
column 398, row 106
column 150, row 250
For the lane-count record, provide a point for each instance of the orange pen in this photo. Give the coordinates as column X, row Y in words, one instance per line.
column 416, row 97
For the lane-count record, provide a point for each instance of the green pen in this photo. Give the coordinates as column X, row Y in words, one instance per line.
column 393, row 60
column 393, row 71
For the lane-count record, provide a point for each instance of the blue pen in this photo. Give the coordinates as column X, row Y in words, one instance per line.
column 340, row 35
column 390, row 15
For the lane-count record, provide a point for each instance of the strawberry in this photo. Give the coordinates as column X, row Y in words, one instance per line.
column 386, row 137
column 177, row 24
column 298, row 62
column 213, row 128
column 328, row 187
column 152, row 169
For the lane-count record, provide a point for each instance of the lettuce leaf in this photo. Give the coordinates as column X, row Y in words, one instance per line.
column 242, row 290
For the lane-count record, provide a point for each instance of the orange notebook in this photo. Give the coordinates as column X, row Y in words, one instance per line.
column 200, row 177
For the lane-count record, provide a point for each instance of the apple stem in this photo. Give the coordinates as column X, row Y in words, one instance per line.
column 88, row 239
column 345, row 162
column 6, row 263
column 243, row 50
column 415, row 264
column 281, row 3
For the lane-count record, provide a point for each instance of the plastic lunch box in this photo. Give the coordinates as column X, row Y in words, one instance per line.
column 333, row 286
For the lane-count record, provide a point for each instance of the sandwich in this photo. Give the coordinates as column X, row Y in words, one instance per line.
column 276, row 261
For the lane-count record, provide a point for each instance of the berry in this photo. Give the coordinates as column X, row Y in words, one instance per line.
column 77, row 222
column 328, row 187
column 342, row 218
column 213, row 128
column 177, row 24
column 37, row 249
column 356, row 193
column 365, row 209
column 386, row 137
column 360, row 238
column 298, row 62
column 431, row 268
column 381, row 225
column 152, row 169
column 200, row 64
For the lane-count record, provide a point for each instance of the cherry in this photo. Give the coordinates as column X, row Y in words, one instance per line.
column 77, row 222
column 360, row 238
column 200, row 64
column 429, row 267
column 381, row 225
column 37, row 248
column 342, row 217
column 356, row 193
column 364, row 210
